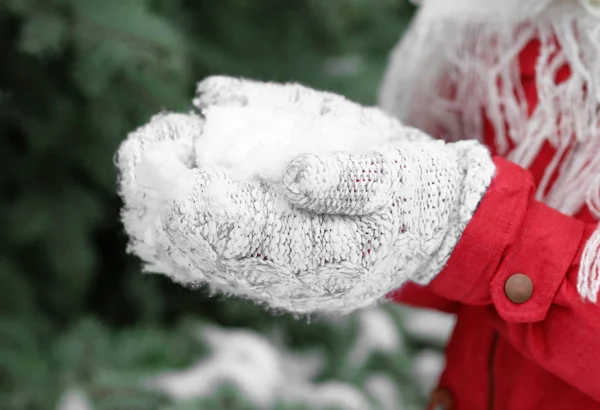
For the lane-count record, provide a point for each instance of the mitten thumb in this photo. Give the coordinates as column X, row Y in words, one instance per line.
column 339, row 183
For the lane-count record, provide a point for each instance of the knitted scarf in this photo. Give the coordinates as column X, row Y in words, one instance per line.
column 459, row 58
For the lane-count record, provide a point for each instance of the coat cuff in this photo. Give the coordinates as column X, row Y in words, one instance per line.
column 511, row 233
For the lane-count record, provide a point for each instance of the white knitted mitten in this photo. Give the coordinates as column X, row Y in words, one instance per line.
column 338, row 234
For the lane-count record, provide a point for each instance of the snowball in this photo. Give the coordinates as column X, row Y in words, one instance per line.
column 254, row 141
column 160, row 169
column 162, row 165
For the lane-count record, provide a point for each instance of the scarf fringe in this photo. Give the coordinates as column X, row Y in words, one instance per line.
column 588, row 279
column 445, row 72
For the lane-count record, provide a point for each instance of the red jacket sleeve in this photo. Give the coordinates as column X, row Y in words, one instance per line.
column 513, row 233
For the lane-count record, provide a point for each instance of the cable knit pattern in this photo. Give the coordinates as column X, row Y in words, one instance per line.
column 430, row 191
column 340, row 231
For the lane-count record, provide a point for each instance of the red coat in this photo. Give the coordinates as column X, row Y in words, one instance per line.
column 544, row 353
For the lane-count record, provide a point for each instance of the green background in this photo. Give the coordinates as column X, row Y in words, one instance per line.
column 75, row 77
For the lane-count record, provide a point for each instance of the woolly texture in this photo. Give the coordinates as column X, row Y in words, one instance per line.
column 149, row 161
column 447, row 70
column 588, row 281
column 340, row 232
column 452, row 66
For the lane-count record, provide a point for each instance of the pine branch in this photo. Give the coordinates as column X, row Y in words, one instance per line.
column 85, row 25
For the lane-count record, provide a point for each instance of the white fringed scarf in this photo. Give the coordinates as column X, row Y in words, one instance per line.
column 475, row 44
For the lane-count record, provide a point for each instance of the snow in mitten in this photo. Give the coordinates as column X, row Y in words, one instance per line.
column 338, row 232
column 347, row 240
column 255, row 129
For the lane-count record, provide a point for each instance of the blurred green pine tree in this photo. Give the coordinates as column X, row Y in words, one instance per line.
column 76, row 77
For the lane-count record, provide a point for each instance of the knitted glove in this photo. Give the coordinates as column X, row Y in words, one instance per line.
column 339, row 233
column 168, row 139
